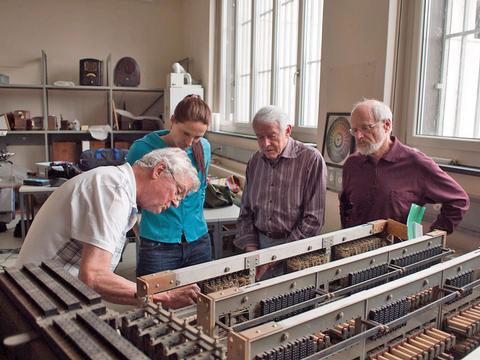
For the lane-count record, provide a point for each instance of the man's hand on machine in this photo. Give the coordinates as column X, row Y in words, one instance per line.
column 262, row 269
column 178, row 298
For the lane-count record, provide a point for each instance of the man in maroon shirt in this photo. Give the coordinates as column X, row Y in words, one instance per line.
column 384, row 177
column 284, row 195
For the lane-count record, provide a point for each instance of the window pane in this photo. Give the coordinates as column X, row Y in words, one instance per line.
column 287, row 56
column 457, row 10
column 311, row 65
column 464, row 15
column 468, row 90
column 243, row 60
column 227, row 74
column 263, row 53
column 451, row 83
column 472, row 15
column 451, row 86
column 248, row 54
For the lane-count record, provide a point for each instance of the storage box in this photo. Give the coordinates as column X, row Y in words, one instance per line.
column 65, row 151
column 122, row 145
column 53, row 123
column 20, row 119
column 175, row 79
column 94, row 145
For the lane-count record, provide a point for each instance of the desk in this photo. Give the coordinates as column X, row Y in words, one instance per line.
column 8, row 186
column 27, row 190
column 217, row 219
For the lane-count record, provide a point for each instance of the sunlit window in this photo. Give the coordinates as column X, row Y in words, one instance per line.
column 271, row 55
column 450, row 82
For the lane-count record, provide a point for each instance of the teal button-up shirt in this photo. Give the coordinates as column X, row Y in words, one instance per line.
column 188, row 218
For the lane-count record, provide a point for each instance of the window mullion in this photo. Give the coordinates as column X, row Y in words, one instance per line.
column 466, row 32
column 274, row 66
column 253, row 62
column 439, row 123
column 458, row 105
column 300, row 73
column 228, row 33
column 476, row 123
column 223, row 60
column 476, row 120
column 236, row 77
column 231, row 65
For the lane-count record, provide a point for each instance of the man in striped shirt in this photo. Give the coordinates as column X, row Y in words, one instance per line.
column 284, row 195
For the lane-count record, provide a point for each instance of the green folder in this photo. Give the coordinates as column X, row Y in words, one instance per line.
column 414, row 220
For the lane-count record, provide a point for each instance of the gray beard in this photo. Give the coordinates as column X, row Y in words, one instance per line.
column 371, row 148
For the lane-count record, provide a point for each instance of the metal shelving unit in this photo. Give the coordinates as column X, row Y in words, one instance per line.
column 21, row 86
column 46, row 88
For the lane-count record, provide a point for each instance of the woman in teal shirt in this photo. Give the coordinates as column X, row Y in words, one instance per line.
column 177, row 237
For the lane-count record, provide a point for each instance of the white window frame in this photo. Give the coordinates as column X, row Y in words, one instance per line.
column 464, row 151
column 308, row 134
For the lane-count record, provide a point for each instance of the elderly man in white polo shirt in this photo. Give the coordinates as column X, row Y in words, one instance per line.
column 83, row 224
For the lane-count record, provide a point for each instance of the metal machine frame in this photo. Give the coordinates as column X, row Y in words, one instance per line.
column 249, row 343
column 149, row 285
column 211, row 307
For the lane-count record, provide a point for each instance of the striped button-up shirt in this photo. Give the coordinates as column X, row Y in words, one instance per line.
column 286, row 195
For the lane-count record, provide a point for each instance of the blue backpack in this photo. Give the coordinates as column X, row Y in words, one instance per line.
column 90, row 159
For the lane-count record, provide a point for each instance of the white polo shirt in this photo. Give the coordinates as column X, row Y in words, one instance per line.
column 97, row 207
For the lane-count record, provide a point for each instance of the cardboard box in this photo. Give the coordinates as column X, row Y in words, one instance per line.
column 65, row 151
column 94, row 145
column 53, row 123
column 122, row 145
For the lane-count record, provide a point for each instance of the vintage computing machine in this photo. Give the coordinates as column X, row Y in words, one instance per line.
column 432, row 314
column 351, row 294
column 239, row 270
column 244, row 307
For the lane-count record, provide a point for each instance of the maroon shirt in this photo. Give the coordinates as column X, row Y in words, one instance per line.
column 286, row 195
column 387, row 189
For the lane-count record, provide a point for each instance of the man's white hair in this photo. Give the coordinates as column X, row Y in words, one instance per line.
column 271, row 114
column 380, row 110
column 177, row 162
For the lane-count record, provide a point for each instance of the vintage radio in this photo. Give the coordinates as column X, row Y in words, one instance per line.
column 91, row 72
column 126, row 73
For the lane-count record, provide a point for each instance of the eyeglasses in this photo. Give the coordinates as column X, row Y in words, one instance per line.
column 363, row 129
column 180, row 190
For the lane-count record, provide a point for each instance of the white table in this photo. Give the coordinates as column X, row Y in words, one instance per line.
column 28, row 191
column 217, row 219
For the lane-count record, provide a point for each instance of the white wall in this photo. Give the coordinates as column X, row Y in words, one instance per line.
column 353, row 55
column 151, row 32
column 199, row 41
column 155, row 33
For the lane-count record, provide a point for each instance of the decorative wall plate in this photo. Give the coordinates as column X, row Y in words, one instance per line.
column 338, row 144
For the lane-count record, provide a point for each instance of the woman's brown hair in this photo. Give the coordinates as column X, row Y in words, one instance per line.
column 193, row 108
